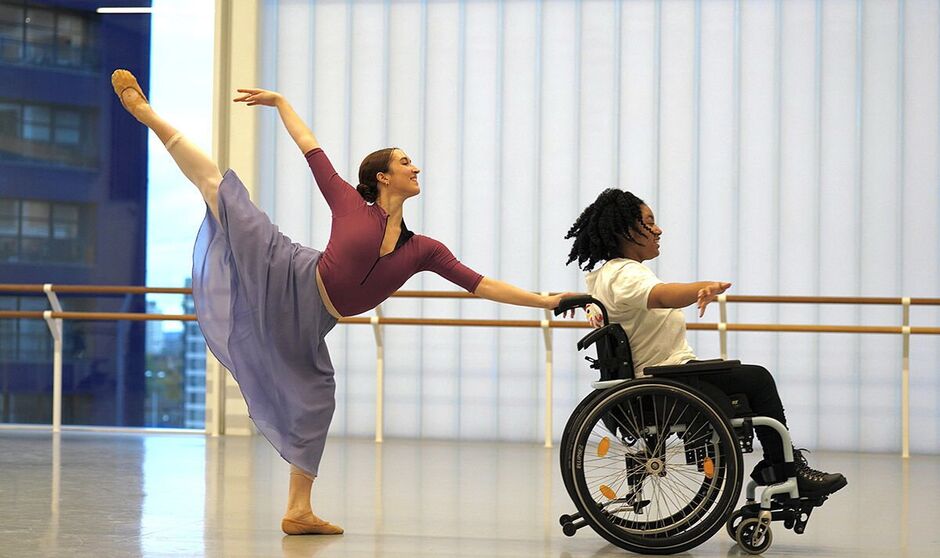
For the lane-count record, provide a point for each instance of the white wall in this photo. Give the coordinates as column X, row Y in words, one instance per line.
column 788, row 147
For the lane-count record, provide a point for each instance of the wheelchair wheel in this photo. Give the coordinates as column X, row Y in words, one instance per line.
column 746, row 540
column 731, row 526
column 652, row 466
column 567, row 439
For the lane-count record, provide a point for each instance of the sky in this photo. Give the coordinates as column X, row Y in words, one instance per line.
column 180, row 91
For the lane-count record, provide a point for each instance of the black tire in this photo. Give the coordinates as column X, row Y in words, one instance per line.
column 565, row 451
column 745, row 533
column 696, row 504
column 731, row 526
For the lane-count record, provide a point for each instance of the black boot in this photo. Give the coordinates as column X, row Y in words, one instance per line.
column 813, row 483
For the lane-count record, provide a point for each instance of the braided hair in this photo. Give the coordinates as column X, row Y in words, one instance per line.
column 615, row 214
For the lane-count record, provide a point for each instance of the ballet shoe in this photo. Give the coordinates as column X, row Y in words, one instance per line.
column 309, row 525
column 121, row 81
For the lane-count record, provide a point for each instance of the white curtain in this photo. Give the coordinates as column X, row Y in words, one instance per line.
column 788, row 147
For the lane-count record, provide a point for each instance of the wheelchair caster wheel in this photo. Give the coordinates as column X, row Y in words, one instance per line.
column 568, row 529
column 745, row 537
column 731, row 526
column 564, row 519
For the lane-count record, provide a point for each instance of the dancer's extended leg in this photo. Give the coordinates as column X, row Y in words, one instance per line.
column 299, row 518
column 196, row 165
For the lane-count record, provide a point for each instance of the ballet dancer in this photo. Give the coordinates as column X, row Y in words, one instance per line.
column 265, row 304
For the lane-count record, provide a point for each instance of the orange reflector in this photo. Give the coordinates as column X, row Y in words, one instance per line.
column 608, row 492
column 709, row 466
column 603, row 447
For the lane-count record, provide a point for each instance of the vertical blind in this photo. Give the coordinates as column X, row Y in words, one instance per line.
column 788, row 147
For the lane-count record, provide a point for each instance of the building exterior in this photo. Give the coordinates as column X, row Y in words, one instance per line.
column 73, row 205
column 194, row 368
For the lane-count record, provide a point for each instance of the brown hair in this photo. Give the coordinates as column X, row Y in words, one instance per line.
column 374, row 163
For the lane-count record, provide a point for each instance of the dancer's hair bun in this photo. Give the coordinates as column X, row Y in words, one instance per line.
column 368, row 193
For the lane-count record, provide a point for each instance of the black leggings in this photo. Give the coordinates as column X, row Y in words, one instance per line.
column 756, row 383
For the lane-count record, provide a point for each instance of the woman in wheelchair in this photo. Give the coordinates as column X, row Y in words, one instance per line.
column 619, row 231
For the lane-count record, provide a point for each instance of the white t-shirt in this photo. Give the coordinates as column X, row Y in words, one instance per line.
column 657, row 336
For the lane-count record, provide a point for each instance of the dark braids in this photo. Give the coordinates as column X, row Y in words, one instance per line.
column 615, row 214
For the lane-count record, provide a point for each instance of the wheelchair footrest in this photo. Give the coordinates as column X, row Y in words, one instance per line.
column 793, row 512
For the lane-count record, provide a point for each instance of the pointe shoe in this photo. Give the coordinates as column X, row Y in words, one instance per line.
column 121, row 81
column 309, row 525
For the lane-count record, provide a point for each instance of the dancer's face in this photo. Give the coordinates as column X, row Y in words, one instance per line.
column 402, row 175
column 645, row 243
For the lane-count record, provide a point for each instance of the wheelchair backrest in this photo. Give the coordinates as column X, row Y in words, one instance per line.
column 614, row 357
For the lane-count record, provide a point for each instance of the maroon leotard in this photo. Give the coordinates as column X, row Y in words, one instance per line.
column 355, row 277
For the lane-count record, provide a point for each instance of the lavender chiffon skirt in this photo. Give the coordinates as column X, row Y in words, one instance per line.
column 257, row 303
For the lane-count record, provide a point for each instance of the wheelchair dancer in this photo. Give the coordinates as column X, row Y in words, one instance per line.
column 265, row 304
column 620, row 230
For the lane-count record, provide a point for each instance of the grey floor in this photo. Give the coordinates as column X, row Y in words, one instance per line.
column 85, row 494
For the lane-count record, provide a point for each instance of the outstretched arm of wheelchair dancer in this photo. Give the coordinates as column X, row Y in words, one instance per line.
column 299, row 131
column 680, row 295
column 672, row 295
column 500, row 291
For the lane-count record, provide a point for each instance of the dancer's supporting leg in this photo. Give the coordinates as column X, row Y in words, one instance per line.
column 299, row 518
column 196, row 165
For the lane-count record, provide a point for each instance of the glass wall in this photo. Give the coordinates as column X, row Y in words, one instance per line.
column 176, row 351
column 87, row 196
column 73, row 207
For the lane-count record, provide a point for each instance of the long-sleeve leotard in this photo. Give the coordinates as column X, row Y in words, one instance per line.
column 355, row 277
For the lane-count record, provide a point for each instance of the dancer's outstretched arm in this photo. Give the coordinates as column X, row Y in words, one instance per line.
column 299, row 131
column 500, row 291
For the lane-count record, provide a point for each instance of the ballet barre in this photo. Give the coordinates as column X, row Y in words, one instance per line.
column 55, row 315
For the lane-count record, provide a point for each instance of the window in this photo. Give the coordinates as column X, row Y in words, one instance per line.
column 64, row 221
column 33, row 230
column 9, row 229
column 8, row 330
column 70, row 40
column 37, row 123
column 68, row 127
column 11, row 33
column 25, row 340
column 50, row 133
column 40, row 36
column 10, row 119
column 46, row 37
column 9, row 217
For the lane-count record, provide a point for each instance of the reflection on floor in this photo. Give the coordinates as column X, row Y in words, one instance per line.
column 85, row 494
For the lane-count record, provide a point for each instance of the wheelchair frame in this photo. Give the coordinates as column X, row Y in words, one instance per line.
column 749, row 526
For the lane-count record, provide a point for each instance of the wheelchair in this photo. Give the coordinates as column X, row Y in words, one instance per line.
column 655, row 466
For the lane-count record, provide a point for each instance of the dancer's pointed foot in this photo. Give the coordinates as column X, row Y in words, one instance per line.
column 129, row 92
column 308, row 524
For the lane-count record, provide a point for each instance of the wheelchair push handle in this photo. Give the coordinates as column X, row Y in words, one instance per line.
column 580, row 302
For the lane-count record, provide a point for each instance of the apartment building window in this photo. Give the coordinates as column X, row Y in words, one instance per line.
column 55, row 134
column 25, row 340
column 47, row 37
column 34, row 230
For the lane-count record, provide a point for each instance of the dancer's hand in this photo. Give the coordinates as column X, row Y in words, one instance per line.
column 553, row 301
column 709, row 293
column 258, row 97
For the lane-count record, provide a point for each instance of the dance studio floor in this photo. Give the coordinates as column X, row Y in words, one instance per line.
column 89, row 494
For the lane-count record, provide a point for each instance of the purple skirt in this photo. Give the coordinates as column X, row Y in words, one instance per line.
column 258, row 306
